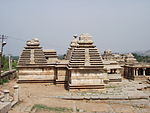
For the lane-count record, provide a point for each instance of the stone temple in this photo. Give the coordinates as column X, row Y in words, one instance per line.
column 33, row 64
column 83, row 67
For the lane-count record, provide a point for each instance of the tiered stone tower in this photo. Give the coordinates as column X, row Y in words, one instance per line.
column 51, row 56
column 85, row 66
column 108, row 55
column 33, row 65
column 130, row 59
column 32, row 54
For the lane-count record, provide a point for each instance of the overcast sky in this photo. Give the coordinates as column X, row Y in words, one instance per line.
column 119, row 25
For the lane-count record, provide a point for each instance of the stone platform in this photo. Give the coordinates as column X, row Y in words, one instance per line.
column 5, row 107
column 36, row 79
column 125, row 90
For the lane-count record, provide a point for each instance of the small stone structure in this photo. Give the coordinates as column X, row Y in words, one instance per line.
column 115, row 62
column 51, row 55
column 122, row 59
column 139, row 71
column 114, row 70
column 129, row 59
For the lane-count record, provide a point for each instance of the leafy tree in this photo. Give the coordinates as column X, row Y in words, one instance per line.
column 141, row 58
column 5, row 62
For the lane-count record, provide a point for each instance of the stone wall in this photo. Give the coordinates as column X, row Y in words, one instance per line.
column 61, row 75
column 87, row 77
column 36, row 73
column 9, row 74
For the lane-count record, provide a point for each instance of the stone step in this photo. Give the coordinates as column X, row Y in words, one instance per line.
column 86, row 86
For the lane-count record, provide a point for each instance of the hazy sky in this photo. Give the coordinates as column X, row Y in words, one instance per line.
column 119, row 25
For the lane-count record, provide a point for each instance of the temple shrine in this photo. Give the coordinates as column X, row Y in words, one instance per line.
column 33, row 65
column 86, row 69
column 83, row 67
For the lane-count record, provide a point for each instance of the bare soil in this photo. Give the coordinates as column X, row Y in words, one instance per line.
column 31, row 94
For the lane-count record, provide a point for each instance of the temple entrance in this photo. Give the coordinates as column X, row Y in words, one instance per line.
column 140, row 72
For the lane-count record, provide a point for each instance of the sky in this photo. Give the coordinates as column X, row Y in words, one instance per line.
column 119, row 25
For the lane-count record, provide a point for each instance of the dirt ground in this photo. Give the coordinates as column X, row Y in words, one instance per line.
column 31, row 94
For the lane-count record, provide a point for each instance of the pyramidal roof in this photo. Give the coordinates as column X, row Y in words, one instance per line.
column 85, row 54
column 50, row 53
column 32, row 54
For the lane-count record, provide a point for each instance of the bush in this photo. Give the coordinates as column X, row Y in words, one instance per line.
column 5, row 62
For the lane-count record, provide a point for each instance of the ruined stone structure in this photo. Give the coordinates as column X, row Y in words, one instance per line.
column 131, row 69
column 114, row 70
column 33, row 64
column 113, row 65
column 86, row 69
column 139, row 71
column 108, row 55
column 118, row 60
column 129, row 59
column 122, row 59
column 82, row 68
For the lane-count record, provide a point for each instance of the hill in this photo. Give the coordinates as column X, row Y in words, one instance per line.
column 147, row 53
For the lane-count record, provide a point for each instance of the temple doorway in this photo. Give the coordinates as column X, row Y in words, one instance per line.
column 140, row 71
column 147, row 72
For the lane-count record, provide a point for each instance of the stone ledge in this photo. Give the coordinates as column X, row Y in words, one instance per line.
column 5, row 107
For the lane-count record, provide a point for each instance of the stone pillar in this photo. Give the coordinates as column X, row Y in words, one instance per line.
column 133, row 72
column 144, row 69
column 137, row 71
column 16, row 94
column 6, row 96
column 111, row 71
column 74, row 107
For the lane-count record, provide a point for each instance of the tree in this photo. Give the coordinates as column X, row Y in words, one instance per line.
column 141, row 58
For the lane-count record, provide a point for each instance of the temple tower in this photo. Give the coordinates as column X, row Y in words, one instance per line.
column 86, row 69
column 130, row 59
column 32, row 54
column 32, row 64
column 108, row 55
column 51, row 55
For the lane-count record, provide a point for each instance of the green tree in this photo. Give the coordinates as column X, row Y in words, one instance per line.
column 5, row 62
column 141, row 58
